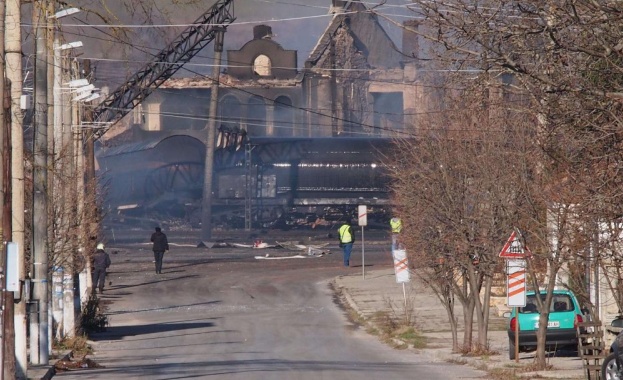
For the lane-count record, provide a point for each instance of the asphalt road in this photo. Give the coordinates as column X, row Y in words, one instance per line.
column 225, row 314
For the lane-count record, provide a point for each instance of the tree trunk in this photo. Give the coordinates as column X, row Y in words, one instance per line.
column 448, row 303
column 483, row 317
column 468, row 318
column 454, row 328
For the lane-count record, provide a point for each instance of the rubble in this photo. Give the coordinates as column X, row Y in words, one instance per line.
column 71, row 365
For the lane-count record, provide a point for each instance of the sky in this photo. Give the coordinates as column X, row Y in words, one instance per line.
column 296, row 25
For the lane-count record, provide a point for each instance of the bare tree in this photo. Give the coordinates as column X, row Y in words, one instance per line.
column 457, row 186
column 565, row 59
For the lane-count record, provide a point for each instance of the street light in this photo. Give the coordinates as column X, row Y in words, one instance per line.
column 69, row 45
column 77, row 83
column 82, row 96
column 65, row 12
column 93, row 96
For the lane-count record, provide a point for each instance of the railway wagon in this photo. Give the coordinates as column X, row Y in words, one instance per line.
column 277, row 182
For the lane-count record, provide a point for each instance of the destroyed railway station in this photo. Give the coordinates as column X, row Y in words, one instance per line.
column 293, row 147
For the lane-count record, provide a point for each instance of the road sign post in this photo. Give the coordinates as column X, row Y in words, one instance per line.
column 401, row 267
column 514, row 248
column 516, row 283
column 515, row 254
column 362, row 219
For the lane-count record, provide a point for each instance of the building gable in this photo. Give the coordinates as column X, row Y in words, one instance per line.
column 262, row 58
column 368, row 39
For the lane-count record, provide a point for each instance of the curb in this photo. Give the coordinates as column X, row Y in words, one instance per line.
column 50, row 372
column 441, row 354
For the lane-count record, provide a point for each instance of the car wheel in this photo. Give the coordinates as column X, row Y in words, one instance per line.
column 609, row 369
column 511, row 349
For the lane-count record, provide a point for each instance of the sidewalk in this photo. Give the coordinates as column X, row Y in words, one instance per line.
column 378, row 291
column 41, row 372
column 45, row 372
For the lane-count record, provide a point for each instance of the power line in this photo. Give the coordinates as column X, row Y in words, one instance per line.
column 287, row 105
column 326, row 115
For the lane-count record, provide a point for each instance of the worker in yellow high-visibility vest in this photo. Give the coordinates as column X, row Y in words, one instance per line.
column 396, row 225
column 347, row 238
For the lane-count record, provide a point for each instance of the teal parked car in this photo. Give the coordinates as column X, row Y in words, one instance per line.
column 564, row 315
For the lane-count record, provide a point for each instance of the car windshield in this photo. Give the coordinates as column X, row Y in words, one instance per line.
column 560, row 303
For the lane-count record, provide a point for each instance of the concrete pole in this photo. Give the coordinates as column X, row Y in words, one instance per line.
column 51, row 242
column 2, row 194
column 89, row 215
column 206, row 206
column 57, row 201
column 39, row 353
column 69, row 312
column 84, row 280
column 13, row 48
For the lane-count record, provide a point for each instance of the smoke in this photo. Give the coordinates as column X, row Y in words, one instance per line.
column 142, row 28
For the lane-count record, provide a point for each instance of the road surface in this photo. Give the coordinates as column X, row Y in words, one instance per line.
column 228, row 314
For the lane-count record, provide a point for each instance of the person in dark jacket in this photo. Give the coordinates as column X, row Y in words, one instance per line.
column 101, row 262
column 161, row 244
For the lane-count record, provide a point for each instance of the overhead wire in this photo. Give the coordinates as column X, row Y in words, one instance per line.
column 265, row 98
column 169, row 90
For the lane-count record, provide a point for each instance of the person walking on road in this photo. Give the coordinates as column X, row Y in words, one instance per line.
column 161, row 244
column 347, row 238
column 101, row 262
column 396, row 224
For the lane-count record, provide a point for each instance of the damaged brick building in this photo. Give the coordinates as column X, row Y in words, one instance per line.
column 292, row 143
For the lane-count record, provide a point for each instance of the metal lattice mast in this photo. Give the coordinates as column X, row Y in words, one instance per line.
column 166, row 63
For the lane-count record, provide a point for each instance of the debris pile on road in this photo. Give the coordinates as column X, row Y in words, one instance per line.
column 311, row 250
column 71, row 365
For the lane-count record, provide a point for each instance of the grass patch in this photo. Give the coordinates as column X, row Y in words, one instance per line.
column 533, row 367
column 391, row 329
column 92, row 318
column 478, row 350
column 503, row 374
column 372, row 330
column 77, row 344
column 457, row 361
column 412, row 337
column 385, row 322
column 394, row 326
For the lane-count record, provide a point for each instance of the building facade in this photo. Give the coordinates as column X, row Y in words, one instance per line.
column 289, row 137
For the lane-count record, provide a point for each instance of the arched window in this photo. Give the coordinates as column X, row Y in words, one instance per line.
column 256, row 117
column 229, row 111
column 262, row 65
column 284, row 117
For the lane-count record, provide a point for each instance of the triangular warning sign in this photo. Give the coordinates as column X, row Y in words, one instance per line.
column 514, row 249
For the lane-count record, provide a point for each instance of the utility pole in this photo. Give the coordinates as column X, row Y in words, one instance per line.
column 39, row 338
column 69, row 314
column 13, row 49
column 2, row 196
column 206, row 206
column 89, row 212
column 78, row 162
column 9, row 306
column 51, row 191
